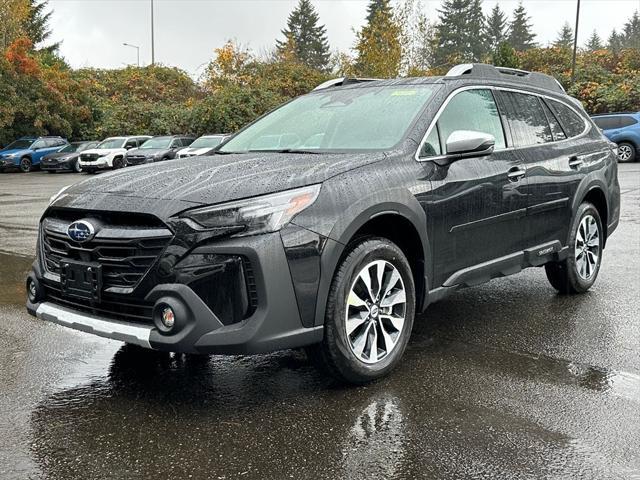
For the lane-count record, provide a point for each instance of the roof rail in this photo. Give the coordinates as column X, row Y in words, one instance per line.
column 483, row 70
column 337, row 82
column 614, row 113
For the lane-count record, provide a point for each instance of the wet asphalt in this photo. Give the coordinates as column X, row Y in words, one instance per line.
column 505, row 380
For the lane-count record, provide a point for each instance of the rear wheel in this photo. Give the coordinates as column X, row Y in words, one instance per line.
column 25, row 165
column 626, row 152
column 578, row 272
column 369, row 315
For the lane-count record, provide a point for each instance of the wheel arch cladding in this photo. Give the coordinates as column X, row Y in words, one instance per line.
column 595, row 195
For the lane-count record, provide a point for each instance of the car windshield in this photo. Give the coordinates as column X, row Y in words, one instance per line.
column 110, row 143
column 157, row 142
column 72, row 147
column 19, row 144
column 207, row 142
column 361, row 118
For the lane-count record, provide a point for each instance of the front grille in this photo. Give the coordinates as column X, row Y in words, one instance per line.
column 136, row 159
column 125, row 252
column 89, row 157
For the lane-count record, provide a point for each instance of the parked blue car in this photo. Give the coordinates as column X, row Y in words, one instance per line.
column 624, row 130
column 26, row 152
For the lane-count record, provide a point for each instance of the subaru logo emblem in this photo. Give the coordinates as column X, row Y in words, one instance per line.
column 81, row 231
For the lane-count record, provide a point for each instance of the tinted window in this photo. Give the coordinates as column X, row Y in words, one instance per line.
column 556, row 128
column 472, row 110
column 431, row 146
column 187, row 141
column 626, row 121
column 529, row 125
column 572, row 123
column 131, row 144
column 606, row 123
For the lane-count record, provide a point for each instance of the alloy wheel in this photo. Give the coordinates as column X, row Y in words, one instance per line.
column 375, row 312
column 587, row 248
column 624, row 153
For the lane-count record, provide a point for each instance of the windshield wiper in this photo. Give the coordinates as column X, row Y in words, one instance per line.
column 287, row 150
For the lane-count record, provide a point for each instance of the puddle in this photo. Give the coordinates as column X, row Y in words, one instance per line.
column 13, row 272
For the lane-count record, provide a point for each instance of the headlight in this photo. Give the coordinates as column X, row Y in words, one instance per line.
column 58, row 195
column 268, row 213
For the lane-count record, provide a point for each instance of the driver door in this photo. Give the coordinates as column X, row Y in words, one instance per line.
column 477, row 205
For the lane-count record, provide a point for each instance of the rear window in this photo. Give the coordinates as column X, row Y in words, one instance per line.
column 528, row 122
column 572, row 123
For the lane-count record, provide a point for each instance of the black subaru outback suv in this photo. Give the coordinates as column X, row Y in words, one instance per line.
column 332, row 221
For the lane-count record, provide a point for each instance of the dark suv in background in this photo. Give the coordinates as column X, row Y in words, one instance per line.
column 332, row 221
column 157, row 149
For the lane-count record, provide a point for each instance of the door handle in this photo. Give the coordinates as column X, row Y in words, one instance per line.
column 575, row 162
column 516, row 173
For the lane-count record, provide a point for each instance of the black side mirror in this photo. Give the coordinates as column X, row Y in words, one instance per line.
column 466, row 144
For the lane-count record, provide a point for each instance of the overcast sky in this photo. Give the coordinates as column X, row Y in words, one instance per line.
column 187, row 31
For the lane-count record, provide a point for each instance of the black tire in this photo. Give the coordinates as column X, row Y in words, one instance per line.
column 25, row 165
column 118, row 162
column 626, row 152
column 90, row 171
column 565, row 276
column 76, row 167
column 336, row 355
column 50, row 171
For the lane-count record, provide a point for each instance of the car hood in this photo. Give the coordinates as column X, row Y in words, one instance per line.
column 214, row 179
column 13, row 151
column 102, row 151
column 147, row 152
column 196, row 150
column 67, row 155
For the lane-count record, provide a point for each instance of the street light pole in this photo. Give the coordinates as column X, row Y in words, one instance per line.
column 575, row 44
column 137, row 50
column 153, row 53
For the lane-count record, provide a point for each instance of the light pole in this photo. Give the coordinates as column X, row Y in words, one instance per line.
column 137, row 50
column 153, row 50
column 575, row 44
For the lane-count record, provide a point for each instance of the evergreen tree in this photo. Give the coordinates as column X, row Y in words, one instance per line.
column 565, row 37
column 36, row 26
column 505, row 56
column 378, row 46
column 496, row 28
column 594, row 43
column 459, row 33
column 376, row 6
column 615, row 42
column 305, row 37
column 631, row 32
column 521, row 37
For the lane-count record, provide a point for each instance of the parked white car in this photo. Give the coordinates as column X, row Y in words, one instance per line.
column 203, row 145
column 109, row 153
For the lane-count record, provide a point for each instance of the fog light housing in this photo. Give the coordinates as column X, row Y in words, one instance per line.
column 168, row 317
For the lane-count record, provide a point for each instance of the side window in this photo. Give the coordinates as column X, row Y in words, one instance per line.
column 606, row 123
column 572, row 123
column 187, row 141
column 431, row 146
column 626, row 121
column 472, row 110
column 39, row 144
column 529, row 125
column 133, row 143
column 60, row 142
column 556, row 128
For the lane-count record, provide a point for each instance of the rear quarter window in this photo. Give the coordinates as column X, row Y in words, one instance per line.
column 572, row 123
column 627, row 121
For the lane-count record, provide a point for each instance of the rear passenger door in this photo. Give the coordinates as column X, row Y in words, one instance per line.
column 553, row 154
column 476, row 204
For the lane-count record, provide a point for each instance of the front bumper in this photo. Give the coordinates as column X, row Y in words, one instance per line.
column 101, row 163
column 8, row 163
column 274, row 324
column 57, row 166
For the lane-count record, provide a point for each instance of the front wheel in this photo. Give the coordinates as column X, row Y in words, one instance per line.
column 25, row 165
column 578, row 272
column 76, row 167
column 370, row 311
column 626, row 152
column 118, row 163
